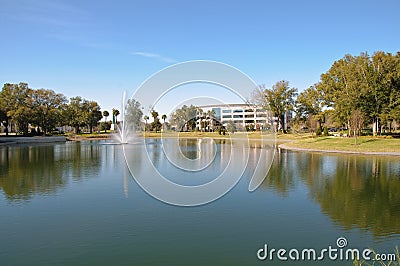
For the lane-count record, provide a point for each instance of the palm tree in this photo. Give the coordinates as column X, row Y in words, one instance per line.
column 105, row 114
column 156, row 125
column 210, row 116
column 163, row 117
column 154, row 114
column 145, row 118
column 115, row 113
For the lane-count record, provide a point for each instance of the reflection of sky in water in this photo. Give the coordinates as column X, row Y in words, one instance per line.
column 77, row 202
column 210, row 160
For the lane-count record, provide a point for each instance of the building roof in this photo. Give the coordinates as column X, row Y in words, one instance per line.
column 229, row 105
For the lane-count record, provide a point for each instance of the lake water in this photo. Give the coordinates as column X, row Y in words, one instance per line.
column 77, row 204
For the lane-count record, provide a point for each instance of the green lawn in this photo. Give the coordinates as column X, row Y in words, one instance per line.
column 102, row 135
column 236, row 135
column 304, row 141
column 364, row 144
column 172, row 134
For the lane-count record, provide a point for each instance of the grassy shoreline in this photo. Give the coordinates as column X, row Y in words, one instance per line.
column 334, row 144
column 292, row 141
column 215, row 135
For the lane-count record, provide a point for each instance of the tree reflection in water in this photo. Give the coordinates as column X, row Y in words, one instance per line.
column 43, row 169
column 354, row 191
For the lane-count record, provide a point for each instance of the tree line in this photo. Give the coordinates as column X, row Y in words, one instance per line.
column 45, row 109
column 355, row 92
column 364, row 85
column 41, row 111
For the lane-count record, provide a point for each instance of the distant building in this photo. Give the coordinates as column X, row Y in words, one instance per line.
column 242, row 116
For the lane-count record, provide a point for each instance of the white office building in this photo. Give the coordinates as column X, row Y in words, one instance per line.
column 243, row 116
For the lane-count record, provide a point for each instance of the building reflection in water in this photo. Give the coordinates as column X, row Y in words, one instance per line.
column 354, row 191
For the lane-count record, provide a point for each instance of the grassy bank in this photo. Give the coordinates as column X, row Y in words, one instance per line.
column 87, row 136
column 300, row 141
column 173, row 134
column 364, row 144
column 251, row 135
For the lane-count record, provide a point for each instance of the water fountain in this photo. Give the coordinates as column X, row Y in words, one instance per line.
column 123, row 134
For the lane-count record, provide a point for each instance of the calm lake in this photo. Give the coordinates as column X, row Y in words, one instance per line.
column 77, row 204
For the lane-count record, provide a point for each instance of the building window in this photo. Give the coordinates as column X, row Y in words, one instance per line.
column 217, row 113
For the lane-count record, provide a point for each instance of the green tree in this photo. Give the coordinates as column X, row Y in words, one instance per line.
column 105, row 114
column 210, row 120
column 133, row 113
column 154, row 114
column 394, row 104
column 280, row 100
column 76, row 116
column 6, row 104
column 93, row 114
column 25, row 106
column 341, row 88
column 155, row 125
column 146, row 117
column 382, row 80
column 312, row 124
column 47, row 107
column 17, row 103
column 395, row 114
column 310, row 103
column 370, row 84
column 115, row 114
column 184, row 116
column 163, row 117
column 356, row 122
column 231, row 127
column 4, row 120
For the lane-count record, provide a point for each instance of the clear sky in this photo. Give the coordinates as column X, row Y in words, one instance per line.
column 97, row 49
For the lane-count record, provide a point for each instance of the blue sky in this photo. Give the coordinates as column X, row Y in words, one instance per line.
column 97, row 49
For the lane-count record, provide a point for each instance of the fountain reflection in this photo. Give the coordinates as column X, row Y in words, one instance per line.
column 354, row 191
